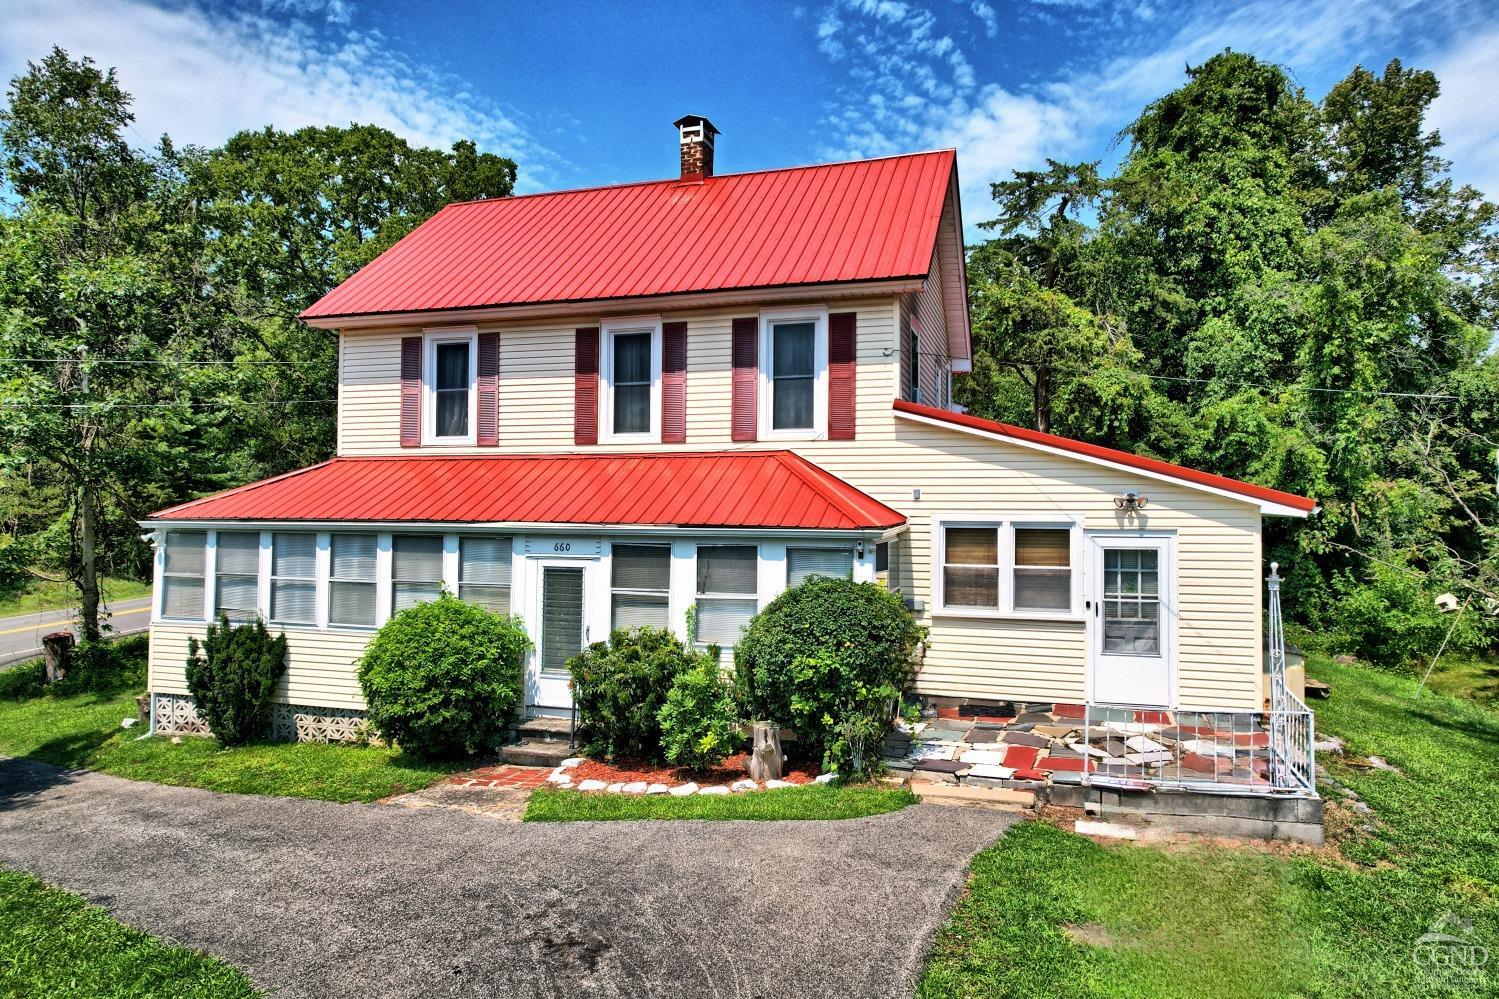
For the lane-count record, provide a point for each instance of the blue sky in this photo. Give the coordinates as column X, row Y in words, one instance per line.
column 585, row 94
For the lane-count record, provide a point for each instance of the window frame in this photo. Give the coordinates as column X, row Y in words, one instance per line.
column 853, row 561
column 1005, row 525
column 219, row 574
column 769, row 320
column 750, row 596
column 202, row 575
column 431, row 339
column 442, row 572
column 460, row 583
column 373, row 582
column 272, row 579
column 608, row 330
column 662, row 594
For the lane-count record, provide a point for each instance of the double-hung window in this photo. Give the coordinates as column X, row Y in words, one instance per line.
column 415, row 569
column 1007, row 567
column 293, row 578
column 237, row 574
column 793, row 368
column 804, row 563
column 484, row 572
column 727, row 584
column 182, row 575
column 631, row 369
column 639, row 581
column 351, row 580
column 451, row 367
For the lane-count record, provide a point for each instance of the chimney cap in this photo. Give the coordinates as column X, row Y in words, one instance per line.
column 690, row 120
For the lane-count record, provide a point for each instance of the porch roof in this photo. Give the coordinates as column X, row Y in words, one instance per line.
column 760, row 489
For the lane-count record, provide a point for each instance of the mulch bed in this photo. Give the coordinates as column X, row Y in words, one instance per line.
column 624, row 771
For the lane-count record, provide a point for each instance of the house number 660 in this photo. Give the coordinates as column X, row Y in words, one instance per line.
column 562, row 546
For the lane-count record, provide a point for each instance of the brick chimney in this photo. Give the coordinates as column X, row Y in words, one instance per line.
column 697, row 135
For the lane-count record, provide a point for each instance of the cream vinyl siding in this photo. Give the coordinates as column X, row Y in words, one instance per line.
column 536, row 384
column 931, row 368
column 320, row 664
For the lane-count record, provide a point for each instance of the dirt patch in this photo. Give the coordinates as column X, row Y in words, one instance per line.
column 505, row 804
column 625, row 771
column 1090, row 935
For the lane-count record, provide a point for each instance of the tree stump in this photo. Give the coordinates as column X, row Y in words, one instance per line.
column 57, row 649
column 766, row 760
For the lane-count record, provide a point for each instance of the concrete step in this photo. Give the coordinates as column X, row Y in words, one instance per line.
column 543, row 729
column 534, row 753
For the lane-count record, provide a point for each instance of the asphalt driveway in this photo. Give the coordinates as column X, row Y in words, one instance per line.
column 325, row 900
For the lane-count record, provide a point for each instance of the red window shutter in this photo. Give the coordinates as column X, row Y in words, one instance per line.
column 586, row 386
column 411, row 391
column 673, row 383
column 842, row 364
column 489, row 389
column 745, row 353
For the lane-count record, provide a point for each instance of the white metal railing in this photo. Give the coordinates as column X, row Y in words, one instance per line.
column 1223, row 751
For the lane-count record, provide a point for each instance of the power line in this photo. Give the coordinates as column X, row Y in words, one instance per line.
column 164, row 405
column 107, row 360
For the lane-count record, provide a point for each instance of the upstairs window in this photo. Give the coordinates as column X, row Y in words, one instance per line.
column 793, row 384
column 631, row 376
column 451, row 369
column 182, row 575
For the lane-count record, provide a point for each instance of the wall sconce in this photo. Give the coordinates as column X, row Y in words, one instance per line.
column 859, row 550
column 1130, row 503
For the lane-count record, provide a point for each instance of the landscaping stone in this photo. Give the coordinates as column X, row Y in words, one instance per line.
column 716, row 789
column 658, row 789
column 1109, row 830
column 1143, row 744
column 1380, row 764
column 983, row 756
column 616, row 787
column 1035, row 717
column 991, row 771
column 128, row 722
column 1026, row 739
column 682, row 790
column 933, row 751
column 772, row 785
column 559, row 777
column 937, row 767
column 1054, row 731
column 634, row 787
column 744, row 785
column 824, row 778
column 1150, row 759
column 570, row 763
column 984, row 735
column 592, row 785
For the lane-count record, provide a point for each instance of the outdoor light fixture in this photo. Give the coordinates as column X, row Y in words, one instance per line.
column 1130, row 502
column 859, row 550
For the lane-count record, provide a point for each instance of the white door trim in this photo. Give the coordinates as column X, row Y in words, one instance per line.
column 552, row 690
column 1101, row 689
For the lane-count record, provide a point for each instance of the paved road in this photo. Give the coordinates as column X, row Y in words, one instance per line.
column 21, row 636
column 319, row 899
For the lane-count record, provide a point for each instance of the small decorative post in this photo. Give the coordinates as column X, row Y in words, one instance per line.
column 766, row 759
column 57, row 648
column 1280, row 736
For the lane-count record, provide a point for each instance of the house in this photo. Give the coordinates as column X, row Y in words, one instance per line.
column 606, row 407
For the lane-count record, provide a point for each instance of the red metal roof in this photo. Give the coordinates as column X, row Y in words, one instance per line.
column 742, row 489
column 860, row 221
column 1248, row 489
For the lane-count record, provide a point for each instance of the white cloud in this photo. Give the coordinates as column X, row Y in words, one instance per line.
column 914, row 88
column 985, row 13
column 1464, row 113
column 202, row 76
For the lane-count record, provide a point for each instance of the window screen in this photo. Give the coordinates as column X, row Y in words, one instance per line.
column 727, row 581
column 640, row 577
column 351, row 583
column 561, row 616
column 1131, row 602
column 183, row 574
column 238, row 575
column 415, row 569
column 484, row 572
column 804, row 563
column 294, row 578
column 1043, row 568
column 970, row 567
column 793, row 370
column 452, row 387
column 632, row 383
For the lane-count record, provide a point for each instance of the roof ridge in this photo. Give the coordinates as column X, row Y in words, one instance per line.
column 717, row 176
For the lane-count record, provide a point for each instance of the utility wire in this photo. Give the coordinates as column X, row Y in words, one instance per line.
column 164, row 405
column 107, row 360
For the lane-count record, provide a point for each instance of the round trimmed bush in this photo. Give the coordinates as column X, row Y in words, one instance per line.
column 444, row 678
column 620, row 687
column 699, row 726
column 819, row 652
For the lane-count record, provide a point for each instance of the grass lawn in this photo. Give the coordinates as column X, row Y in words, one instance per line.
column 54, row 944
column 1052, row 913
column 549, row 805
column 84, row 731
column 41, row 595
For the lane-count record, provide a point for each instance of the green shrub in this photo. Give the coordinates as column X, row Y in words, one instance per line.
column 699, row 725
column 445, row 678
column 1392, row 620
column 105, row 666
column 620, row 687
column 16, row 555
column 24, row 681
column 232, row 675
column 823, row 651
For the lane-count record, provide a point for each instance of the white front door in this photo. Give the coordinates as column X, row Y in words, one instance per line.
column 1132, row 620
column 558, row 625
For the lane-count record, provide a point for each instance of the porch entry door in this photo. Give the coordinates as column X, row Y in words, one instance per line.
column 1132, row 620
column 561, row 627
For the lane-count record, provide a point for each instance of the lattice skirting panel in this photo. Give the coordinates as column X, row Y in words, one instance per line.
column 175, row 715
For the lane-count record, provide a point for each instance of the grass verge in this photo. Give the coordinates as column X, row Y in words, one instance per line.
column 550, row 805
column 84, row 731
column 54, row 944
column 45, row 595
column 1052, row 913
